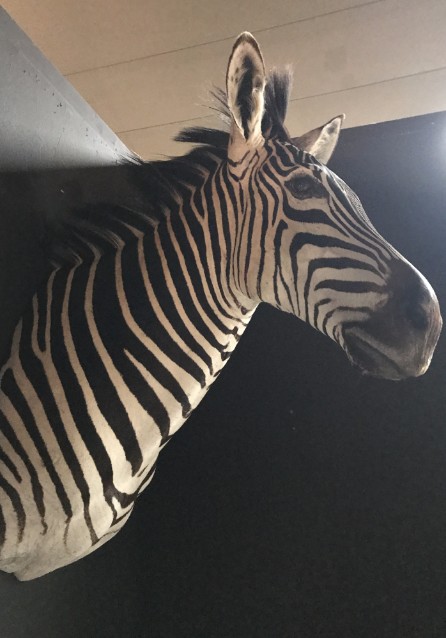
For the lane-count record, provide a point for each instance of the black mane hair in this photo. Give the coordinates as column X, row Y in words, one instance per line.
column 155, row 187
column 277, row 92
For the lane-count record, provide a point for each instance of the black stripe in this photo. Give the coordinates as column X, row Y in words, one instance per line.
column 41, row 302
column 363, row 233
column 148, row 477
column 228, row 212
column 322, row 241
column 308, row 216
column 341, row 309
column 95, row 368
column 2, row 528
column 281, row 228
column 105, row 396
column 182, row 291
column 4, row 458
column 16, row 503
column 348, row 286
column 243, row 210
column 34, row 370
column 136, row 298
column 327, row 319
column 272, row 189
column 12, row 391
column 197, row 233
column 36, row 486
column 334, row 263
column 187, row 253
column 265, row 224
column 145, row 316
column 321, row 302
column 288, row 156
column 251, row 213
column 166, row 299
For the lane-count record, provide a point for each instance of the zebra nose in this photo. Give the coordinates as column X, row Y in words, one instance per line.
column 413, row 299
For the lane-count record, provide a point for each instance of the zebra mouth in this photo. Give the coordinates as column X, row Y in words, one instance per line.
column 367, row 355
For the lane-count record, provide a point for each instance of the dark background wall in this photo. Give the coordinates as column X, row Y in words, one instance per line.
column 300, row 499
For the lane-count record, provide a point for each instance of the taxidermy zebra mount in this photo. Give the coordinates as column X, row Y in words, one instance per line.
column 144, row 305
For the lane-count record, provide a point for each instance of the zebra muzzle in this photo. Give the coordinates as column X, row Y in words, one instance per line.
column 399, row 339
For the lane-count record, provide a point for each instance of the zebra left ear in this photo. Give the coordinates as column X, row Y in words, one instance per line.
column 245, row 86
column 321, row 142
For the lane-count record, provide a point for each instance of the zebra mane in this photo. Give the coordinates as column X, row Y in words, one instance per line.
column 156, row 187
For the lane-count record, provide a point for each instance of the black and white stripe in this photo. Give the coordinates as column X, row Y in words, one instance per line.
column 145, row 304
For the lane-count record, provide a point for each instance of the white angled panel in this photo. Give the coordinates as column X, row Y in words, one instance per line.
column 366, row 45
column 83, row 35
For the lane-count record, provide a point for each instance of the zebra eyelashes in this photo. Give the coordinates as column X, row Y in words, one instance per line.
column 305, row 187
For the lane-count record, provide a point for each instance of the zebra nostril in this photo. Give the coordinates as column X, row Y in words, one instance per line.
column 411, row 298
column 412, row 304
column 416, row 315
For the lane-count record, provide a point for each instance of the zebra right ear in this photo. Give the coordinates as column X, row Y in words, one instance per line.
column 245, row 86
column 321, row 142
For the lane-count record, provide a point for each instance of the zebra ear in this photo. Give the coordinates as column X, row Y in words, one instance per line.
column 245, row 86
column 321, row 142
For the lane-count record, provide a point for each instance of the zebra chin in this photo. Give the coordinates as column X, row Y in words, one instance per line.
column 381, row 360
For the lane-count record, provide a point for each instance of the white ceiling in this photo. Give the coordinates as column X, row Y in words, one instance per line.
column 146, row 66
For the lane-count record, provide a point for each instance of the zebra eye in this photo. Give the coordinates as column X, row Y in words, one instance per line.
column 304, row 187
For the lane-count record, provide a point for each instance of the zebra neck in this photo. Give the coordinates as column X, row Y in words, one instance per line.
column 172, row 291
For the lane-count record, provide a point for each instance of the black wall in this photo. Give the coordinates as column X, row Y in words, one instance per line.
column 300, row 500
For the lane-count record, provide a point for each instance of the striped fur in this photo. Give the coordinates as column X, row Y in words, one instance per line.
column 144, row 306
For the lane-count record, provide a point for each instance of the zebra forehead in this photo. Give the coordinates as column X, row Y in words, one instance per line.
column 296, row 155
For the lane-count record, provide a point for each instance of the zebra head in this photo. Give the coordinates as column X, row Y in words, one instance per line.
column 304, row 243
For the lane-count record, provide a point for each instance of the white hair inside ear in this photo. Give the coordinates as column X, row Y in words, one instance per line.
column 321, row 142
column 245, row 86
